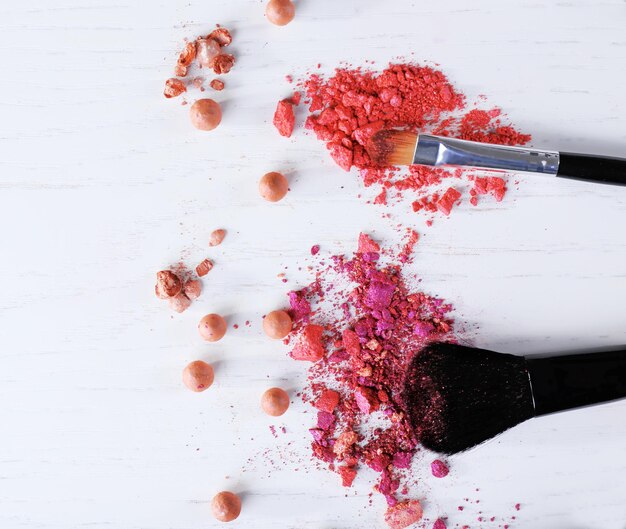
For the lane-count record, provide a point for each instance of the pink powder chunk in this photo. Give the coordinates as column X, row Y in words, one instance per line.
column 315, row 249
column 347, row 474
column 380, row 294
column 367, row 244
column 404, row 514
column 366, row 400
column 446, row 202
column 327, row 401
column 310, row 346
column 300, row 307
column 439, row 524
column 284, row 118
column 439, row 468
column 325, row 420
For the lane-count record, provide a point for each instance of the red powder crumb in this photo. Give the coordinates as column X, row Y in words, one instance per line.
column 310, row 347
column 373, row 324
column 367, row 244
column 204, row 267
column 446, row 202
column 490, row 185
column 327, row 401
column 174, row 87
column 346, row 109
column 217, row 84
column 439, row 524
column 296, row 98
column 439, row 468
column 222, row 36
column 403, row 514
column 284, row 118
column 517, row 506
column 347, row 474
column 315, row 249
column 223, row 63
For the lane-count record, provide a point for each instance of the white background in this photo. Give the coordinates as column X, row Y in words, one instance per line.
column 103, row 182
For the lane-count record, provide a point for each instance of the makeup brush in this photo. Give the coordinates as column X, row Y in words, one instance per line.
column 403, row 147
column 457, row 397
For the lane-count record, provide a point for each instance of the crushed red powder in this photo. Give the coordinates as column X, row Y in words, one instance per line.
column 284, row 118
column 345, row 110
column 217, row 84
column 204, row 267
column 439, row 468
column 359, row 323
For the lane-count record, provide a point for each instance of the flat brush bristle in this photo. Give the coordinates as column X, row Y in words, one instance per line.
column 392, row 147
column 457, row 397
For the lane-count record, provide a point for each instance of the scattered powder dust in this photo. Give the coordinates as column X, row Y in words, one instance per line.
column 359, row 323
column 346, row 109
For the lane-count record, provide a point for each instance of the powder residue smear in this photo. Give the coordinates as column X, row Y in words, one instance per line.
column 345, row 110
column 359, row 323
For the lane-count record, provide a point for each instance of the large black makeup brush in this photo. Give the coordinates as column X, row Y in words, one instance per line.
column 457, row 397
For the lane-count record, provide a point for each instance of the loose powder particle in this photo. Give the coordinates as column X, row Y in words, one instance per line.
column 284, row 118
column 359, row 323
column 346, row 109
column 439, row 468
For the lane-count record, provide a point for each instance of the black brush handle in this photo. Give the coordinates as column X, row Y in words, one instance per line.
column 599, row 169
column 576, row 380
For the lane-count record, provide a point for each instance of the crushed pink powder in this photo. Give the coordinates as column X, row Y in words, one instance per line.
column 359, row 323
column 346, row 109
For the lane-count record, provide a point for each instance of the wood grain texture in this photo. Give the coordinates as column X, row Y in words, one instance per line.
column 103, row 182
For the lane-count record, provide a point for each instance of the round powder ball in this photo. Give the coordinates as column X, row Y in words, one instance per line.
column 212, row 327
column 205, row 114
column 277, row 324
column 280, row 12
column 198, row 376
column 273, row 186
column 275, row 402
column 226, row 506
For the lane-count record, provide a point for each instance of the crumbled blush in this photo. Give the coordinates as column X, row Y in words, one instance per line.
column 517, row 506
column 327, row 401
column 366, row 400
column 439, row 524
column 315, row 249
column 284, row 118
column 345, row 110
column 310, row 346
column 174, row 87
column 300, row 307
column 217, row 85
column 204, row 267
column 367, row 244
column 446, row 202
column 439, row 468
column 493, row 185
column 223, row 63
column 325, row 420
column 403, row 514
column 347, row 473
column 371, row 336
column 402, row 459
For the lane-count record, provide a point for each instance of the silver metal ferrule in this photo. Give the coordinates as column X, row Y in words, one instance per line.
column 438, row 151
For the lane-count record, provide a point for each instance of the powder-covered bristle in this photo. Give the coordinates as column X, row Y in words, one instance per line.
column 392, row 147
column 457, row 397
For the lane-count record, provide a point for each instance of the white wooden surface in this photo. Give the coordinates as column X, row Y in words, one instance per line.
column 103, row 182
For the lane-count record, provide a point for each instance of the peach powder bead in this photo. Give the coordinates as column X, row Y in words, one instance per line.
column 198, row 376
column 226, row 506
column 205, row 114
column 273, row 186
column 275, row 402
column 277, row 324
column 212, row 327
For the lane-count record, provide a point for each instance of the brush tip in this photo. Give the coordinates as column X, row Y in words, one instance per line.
column 457, row 397
column 391, row 147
